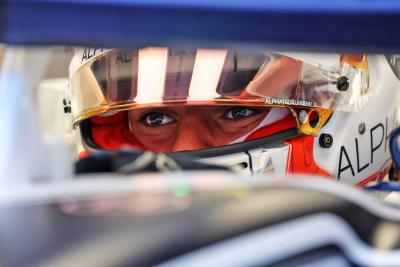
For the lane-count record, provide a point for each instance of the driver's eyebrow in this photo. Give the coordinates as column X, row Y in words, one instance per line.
column 144, row 111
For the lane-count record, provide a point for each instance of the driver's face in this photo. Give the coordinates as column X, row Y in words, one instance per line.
column 170, row 129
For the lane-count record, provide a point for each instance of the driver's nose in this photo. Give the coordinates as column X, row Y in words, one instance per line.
column 192, row 136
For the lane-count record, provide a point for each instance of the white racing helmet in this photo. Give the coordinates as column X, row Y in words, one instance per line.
column 256, row 111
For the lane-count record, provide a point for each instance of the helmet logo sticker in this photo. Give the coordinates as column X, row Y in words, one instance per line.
column 291, row 102
column 378, row 137
column 88, row 53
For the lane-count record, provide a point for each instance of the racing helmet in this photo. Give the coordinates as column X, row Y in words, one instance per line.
column 256, row 111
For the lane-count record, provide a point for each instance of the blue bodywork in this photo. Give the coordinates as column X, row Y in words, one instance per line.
column 346, row 25
column 395, row 147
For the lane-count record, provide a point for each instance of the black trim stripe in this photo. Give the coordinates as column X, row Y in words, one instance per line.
column 250, row 162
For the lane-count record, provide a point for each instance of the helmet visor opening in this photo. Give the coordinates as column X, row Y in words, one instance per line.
column 189, row 127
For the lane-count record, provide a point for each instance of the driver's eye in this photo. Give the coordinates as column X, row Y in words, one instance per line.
column 156, row 119
column 238, row 113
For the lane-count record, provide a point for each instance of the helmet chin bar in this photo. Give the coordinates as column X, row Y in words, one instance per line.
column 270, row 141
column 250, row 158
